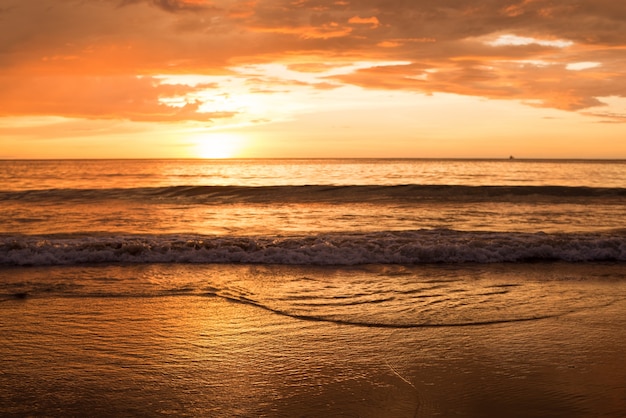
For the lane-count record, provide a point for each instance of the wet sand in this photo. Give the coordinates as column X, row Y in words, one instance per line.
column 200, row 355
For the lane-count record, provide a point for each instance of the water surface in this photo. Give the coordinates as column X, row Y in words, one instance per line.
column 280, row 288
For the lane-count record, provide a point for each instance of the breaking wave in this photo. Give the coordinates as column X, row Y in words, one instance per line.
column 323, row 194
column 388, row 247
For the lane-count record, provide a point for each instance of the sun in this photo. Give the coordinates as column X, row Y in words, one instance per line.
column 218, row 145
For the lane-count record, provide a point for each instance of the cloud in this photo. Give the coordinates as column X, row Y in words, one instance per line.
column 140, row 99
column 371, row 21
column 538, row 85
column 174, row 5
column 579, row 66
column 522, row 40
column 565, row 55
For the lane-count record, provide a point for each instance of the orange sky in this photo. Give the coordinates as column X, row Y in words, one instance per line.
column 312, row 78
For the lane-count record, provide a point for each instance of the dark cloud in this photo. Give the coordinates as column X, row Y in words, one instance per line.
column 174, row 5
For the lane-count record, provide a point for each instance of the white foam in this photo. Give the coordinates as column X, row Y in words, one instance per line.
column 406, row 247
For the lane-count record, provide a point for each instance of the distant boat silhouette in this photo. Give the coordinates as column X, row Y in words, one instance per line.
column 511, row 157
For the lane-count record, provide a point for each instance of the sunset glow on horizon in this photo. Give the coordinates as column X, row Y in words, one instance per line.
column 218, row 146
column 312, row 78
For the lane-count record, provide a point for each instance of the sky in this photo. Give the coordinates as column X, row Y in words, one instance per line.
column 312, row 78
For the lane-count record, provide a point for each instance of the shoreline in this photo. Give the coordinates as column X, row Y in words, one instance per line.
column 207, row 356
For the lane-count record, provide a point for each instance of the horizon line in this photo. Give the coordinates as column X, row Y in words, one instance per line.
column 509, row 158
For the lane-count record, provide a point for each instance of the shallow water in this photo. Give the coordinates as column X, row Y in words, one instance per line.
column 232, row 340
column 379, row 296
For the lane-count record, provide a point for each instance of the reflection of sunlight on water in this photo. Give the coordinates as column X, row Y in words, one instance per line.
column 295, row 218
column 223, row 217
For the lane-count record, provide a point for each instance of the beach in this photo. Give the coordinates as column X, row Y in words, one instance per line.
column 180, row 350
column 325, row 208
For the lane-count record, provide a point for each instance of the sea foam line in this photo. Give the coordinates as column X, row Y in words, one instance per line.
column 389, row 247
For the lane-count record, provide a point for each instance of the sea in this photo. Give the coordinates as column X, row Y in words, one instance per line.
column 313, row 287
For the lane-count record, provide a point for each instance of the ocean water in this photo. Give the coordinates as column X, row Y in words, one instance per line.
column 312, row 287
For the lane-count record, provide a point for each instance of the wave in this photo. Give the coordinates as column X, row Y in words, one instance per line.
column 388, row 247
column 410, row 193
column 356, row 322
